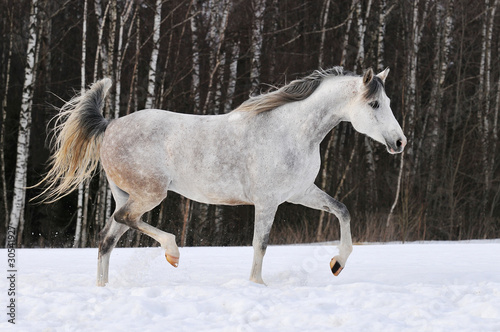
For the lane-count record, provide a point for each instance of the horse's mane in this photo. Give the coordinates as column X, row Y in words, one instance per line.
column 296, row 90
column 302, row 88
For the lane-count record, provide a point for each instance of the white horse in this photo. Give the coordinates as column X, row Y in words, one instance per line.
column 263, row 153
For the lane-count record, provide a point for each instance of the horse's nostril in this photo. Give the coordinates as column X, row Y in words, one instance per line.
column 399, row 143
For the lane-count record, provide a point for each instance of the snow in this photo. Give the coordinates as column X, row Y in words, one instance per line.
column 433, row 286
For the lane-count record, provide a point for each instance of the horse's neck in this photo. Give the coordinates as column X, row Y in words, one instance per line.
column 318, row 114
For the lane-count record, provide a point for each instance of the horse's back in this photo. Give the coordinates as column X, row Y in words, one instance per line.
column 199, row 157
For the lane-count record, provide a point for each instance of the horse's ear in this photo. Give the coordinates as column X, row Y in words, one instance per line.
column 383, row 74
column 367, row 78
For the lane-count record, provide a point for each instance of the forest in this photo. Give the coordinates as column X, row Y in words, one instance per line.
column 209, row 56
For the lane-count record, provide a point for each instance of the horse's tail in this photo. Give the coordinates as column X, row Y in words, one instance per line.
column 78, row 133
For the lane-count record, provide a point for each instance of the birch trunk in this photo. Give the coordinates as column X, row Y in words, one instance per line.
column 101, row 50
column 233, row 71
column 411, row 101
column 4, row 118
column 218, row 23
column 259, row 7
column 440, row 65
column 384, row 12
column 79, row 207
column 132, row 101
column 362, row 22
column 324, row 21
column 346, row 34
column 484, row 96
column 272, row 61
column 23, row 138
column 150, row 100
column 195, row 77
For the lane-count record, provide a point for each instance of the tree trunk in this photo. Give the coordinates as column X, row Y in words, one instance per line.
column 132, row 101
column 346, row 34
column 2, row 129
column 439, row 68
column 384, row 12
column 150, row 100
column 324, row 21
column 233, row 71
column 23, row 139
column 79, row 206
column 218, row 23
column 259, row 6
column 195, row 77
column 484, row 97
column 362, row 23
column 101, row 48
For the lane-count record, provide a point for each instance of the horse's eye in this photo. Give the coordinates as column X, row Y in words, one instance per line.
column 374, row 104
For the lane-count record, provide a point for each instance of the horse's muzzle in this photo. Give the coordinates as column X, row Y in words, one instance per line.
column 396, row 146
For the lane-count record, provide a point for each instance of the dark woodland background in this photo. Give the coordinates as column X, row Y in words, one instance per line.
column 209, row 56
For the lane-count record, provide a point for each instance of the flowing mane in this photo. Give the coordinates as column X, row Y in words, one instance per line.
column 296, row 90
column 302, row 88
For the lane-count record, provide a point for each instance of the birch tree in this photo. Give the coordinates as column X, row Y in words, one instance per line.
column 81, row 187
column 4, row 118
column 443, row 28
column 233, row 71
column 324, row 19
column 154, row 56
column 258, row 6
column 362, row 23
column 219, row 13
column 414, row 33
column 485, row 95
column 345, row 42
column 195, row 77
column 16, row 220
column 382, row 22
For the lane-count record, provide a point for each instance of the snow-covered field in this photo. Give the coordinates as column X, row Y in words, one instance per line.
column 439, row 286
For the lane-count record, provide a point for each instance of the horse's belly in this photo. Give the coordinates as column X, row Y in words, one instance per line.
column 208, row 195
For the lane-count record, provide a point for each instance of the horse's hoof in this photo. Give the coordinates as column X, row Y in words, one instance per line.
column 174, row 261
column 335, row 267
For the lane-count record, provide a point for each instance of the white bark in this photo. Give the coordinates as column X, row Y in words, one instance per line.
column 259, row 7
column 362, row 22
column 233, row 70
column 101, row 49
column 195, row 77
column 440, row 65
column 4, row 117
column 218, row 23
column 346, row 34
column 485, row 95
column 150, row 100
column 417, row 25
column 384, row 12
column 23, row 138
column 324, row 20
column 79, row 206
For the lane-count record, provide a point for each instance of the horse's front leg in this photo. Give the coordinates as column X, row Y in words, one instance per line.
column 264, row 218
column 317, row 199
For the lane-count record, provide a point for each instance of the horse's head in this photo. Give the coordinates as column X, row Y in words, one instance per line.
column 371, row 113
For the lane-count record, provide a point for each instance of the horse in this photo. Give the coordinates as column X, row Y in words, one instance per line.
column 263, row 153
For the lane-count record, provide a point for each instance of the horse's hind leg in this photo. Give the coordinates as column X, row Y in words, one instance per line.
column 317, row 199
column 109, row 236
column 130, row 215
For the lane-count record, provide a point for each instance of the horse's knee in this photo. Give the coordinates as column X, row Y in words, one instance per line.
column 106, row 245
column 109, row 236
column 261, row 243
column 345, row 216
column 341, row 211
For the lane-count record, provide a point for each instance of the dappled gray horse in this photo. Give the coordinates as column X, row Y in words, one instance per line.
column 263, row 153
